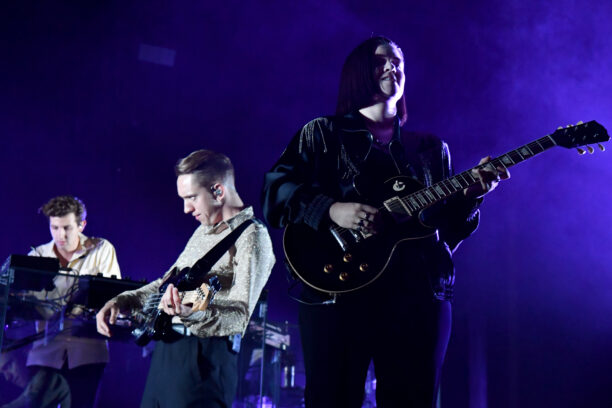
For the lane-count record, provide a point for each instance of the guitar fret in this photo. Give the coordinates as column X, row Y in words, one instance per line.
column 455, row 183
column 429, row 194
column 507, row 160
column 434, row 192
column 422, row 200
column 500, row 162
column 535, row 148
column 439, row 190
column 540, row 144
column 411, row 205
column 414, row 203
column 526, row 152
column 444, row 188
column 405, row 206
column 449, row 186
column 516, row 158
column 467, row 177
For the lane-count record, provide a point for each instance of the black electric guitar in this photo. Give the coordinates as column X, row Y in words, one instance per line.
column 153, row 324
column 341, row 260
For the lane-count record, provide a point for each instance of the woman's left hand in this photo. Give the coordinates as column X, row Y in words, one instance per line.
column 489, row 177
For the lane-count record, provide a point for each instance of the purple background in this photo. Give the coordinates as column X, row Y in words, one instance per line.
column 81, row 114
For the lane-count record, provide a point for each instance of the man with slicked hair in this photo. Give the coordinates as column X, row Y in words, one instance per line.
column 198, row 365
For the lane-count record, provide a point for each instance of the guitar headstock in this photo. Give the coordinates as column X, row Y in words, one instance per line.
column 581, row 134
column 205, row 294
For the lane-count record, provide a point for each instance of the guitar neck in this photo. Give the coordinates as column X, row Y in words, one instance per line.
column 419, row 200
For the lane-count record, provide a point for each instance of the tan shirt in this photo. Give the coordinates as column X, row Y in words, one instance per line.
column 242, row 271
column 96, row 255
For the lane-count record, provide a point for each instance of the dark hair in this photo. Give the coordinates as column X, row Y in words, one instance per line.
column 209, row 167
column 64, row 205
column 357, row 85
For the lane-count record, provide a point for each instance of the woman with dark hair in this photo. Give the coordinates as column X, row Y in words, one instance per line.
column 400, row 319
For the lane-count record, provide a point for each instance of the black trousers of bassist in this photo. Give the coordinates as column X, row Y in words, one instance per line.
column 192, row 372
column 394, row 322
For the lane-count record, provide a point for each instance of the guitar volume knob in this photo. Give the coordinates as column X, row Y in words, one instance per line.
column 364, row 267
column 347, row 257
column 344, row 276
column 329, row 268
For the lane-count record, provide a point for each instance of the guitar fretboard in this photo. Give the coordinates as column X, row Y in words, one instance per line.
column 417, row 201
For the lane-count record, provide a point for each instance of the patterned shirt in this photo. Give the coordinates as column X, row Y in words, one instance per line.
column 242, row 271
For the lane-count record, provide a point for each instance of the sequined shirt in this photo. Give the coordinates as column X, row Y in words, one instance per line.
column 242, row 271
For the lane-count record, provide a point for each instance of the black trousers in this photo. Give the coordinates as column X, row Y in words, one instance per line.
column 192, row 372
column 68, row 388
column 396, row 323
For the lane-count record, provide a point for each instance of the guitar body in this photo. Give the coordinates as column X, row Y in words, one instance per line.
column 155, row 326
column 345, row 261
column 340, row 260
column 153, row 323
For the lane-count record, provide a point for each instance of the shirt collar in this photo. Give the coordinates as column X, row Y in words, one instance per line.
column 87, row 244
column 230, row 223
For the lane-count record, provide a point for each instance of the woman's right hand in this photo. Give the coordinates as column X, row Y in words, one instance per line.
column 361, row 217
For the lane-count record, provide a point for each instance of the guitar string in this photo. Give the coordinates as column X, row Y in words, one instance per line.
column 153, row 301
column 513, row 155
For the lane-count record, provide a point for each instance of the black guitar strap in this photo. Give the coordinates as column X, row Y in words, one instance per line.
column 398, row 155
column 204, row 264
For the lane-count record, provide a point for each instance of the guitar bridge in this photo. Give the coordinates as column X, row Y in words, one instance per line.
column 338, row 238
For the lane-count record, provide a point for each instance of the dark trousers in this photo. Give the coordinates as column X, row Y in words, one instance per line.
column 395, row 323
column 69, row 388
column 192, row 372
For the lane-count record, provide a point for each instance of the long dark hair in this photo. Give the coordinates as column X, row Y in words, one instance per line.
column 357, row 85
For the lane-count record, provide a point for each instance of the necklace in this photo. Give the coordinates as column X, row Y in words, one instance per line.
column 381, row 142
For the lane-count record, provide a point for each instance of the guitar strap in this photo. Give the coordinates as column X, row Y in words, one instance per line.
column 398, row 154
column 204, row 264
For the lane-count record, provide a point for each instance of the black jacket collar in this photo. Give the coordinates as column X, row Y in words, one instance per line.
column 358, row 140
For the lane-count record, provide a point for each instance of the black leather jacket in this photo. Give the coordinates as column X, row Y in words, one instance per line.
column 318, row 167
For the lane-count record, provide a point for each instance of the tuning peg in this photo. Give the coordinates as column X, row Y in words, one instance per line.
column 560, row 128
column 579, row 123
column 581, row 151
column 569, row 126
column 603, row 149
column 590, row 149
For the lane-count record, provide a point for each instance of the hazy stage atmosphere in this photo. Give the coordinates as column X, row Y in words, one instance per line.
column 100, row 99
